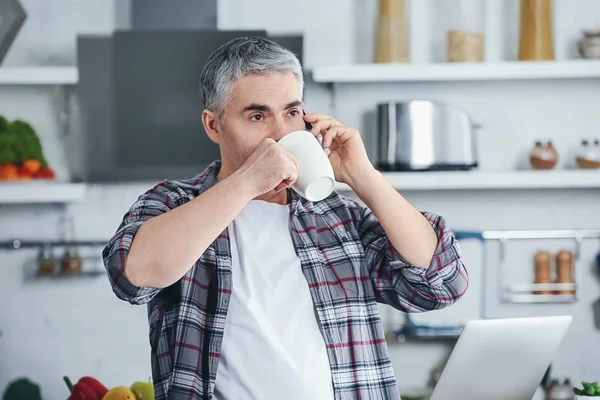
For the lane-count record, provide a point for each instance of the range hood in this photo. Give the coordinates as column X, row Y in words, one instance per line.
column 140, row 104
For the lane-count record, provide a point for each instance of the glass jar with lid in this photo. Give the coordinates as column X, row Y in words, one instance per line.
column 588, row 154
column 465, row 34
column 391, row 38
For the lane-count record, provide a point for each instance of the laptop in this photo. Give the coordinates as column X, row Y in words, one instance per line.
column 501, row 359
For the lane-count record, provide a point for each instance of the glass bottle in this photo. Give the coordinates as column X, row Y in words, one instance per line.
column 391, row 43
column 465, row 36
column 536, row 40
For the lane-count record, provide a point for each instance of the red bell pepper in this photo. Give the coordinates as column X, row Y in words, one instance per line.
column 87, row 388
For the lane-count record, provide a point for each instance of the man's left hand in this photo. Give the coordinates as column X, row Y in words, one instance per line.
column 347, row 155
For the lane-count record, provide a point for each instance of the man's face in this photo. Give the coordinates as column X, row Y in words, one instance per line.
column 261, row 107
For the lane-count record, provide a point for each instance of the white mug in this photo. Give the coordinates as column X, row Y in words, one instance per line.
column 316, row 180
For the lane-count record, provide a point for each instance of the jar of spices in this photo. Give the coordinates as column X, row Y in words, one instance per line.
column 543, row 155
column 71, row 262
column 465, row 37
column 560, row 391
column 46, row 261
column 391, row 37
column 588, row 155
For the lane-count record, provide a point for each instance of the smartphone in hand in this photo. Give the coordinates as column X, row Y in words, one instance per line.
column 307, row 125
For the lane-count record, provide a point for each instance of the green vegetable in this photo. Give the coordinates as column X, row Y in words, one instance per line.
column 22, row 389
column 30, row 145
column 588, row 389
column 19, row 142
column 8, row 143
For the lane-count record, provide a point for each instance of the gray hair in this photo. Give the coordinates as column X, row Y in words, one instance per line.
column 238, row 58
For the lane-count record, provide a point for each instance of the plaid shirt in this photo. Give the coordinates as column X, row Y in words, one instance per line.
column 348, row 262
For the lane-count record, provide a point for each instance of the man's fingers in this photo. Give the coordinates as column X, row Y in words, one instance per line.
column 322, row 125
column 292, row 171
column 339, row 131
column 314, row 117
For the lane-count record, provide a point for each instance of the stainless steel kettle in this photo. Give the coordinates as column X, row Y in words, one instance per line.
column 425, row 135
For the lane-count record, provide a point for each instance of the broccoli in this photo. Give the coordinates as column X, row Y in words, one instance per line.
column 19, row 142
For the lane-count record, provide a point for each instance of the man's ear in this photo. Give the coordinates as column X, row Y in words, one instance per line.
column 211, row 125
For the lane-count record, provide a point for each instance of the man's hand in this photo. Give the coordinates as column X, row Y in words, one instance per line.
column 269, row 167
column 347, row 155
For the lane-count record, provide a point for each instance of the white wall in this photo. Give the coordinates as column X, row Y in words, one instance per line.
column 49, row 329
column 49, row 33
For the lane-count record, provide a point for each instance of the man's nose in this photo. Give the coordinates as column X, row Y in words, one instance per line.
column 279, row 129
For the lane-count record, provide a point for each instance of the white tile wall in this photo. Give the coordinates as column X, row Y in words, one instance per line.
column 49, row 329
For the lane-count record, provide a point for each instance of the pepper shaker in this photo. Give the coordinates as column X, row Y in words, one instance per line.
column 543, row 270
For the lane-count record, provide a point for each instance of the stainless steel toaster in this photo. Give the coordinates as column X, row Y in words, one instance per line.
column 425, row 135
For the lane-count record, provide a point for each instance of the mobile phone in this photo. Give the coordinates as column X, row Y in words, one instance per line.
column 307, row 125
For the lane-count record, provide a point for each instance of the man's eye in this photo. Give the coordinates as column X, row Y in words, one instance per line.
column 256, row 117
column 293, row 113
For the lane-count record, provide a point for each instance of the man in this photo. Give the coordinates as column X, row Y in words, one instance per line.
column 256, row 293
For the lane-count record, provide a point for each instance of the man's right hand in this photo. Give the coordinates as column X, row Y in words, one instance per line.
column 269, row 167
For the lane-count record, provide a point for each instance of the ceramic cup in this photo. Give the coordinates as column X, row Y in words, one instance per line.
column 316, row 180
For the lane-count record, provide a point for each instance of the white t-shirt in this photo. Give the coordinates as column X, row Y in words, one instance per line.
column 272, row 348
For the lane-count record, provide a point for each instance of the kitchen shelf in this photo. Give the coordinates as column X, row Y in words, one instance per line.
column 17, row 244
column 71, row 275
column 501, row 71
column 480, row 180
column 37, row 192
column 401, row 338
column 410, row 331
column 39, row 75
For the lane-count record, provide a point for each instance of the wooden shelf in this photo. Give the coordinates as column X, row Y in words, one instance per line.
column 509, row 70
column 481, row 180
column 37, row 192
column 39, row 75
